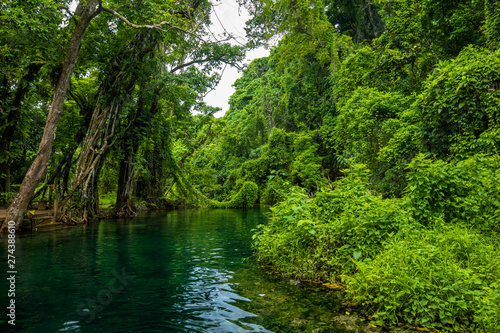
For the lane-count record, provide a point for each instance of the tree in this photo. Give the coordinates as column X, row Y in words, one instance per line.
column 171, row 18
column 85, row 12
column 29, row 34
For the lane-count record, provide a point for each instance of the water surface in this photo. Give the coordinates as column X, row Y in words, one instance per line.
column 177, row 271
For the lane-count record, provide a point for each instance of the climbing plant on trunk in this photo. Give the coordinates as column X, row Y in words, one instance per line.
column 87, row 11
column 171, row 18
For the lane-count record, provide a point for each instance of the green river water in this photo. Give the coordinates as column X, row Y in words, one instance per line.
column 176, row 271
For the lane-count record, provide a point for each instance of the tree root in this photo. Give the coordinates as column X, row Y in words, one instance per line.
column 124, row 212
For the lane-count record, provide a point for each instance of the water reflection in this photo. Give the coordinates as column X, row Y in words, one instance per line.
column 208, row 299
column 187, row 277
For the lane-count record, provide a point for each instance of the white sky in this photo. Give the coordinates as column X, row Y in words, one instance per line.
column 233, row 19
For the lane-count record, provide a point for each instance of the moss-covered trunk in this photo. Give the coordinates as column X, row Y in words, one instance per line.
column 38, row 168
column 123, row 207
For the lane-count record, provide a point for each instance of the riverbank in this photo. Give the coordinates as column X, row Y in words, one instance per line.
column 310, row 306
column 429, row 259
column 34, row 218
column 40, row 219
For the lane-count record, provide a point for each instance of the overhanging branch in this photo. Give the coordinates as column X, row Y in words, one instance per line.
column 159, row 26
column 201, row 61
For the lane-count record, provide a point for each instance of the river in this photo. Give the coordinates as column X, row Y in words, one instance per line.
column 176, row 271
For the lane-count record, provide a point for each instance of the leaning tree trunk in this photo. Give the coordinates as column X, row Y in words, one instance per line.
column 38, row 168
column 95, row 147
column 89, row 194
column 64, row 167
column 84, row 207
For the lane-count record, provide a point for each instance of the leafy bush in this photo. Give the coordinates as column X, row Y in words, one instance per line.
column 458, row 111
column 275, row 189
column 465, row 192
column 358, row 222
column 286, row 241
column 365, row 124
column 305, row 169
column 440, row 277
column 246, row 197
column 320, row 237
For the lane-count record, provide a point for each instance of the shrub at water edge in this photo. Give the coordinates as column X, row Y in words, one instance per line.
column 440, row 277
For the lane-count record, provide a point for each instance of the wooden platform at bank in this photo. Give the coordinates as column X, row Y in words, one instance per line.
column 45, row 215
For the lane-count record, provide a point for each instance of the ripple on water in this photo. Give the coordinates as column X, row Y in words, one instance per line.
column 188, row 277
column 208, row 302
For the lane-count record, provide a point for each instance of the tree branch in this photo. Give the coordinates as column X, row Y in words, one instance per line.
column 158, row 26
column 196, row 146
column 75, row 97
column 200, row 61
column 70, row 14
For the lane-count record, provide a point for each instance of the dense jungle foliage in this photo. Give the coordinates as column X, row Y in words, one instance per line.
column 373, row 128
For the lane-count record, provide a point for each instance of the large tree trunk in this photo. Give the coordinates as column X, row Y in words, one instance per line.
column 130, row 145
column 64, row 167
column 123, row 206
column 39, row 166
column 89, row 194
column 86, row 206
column 95, row 147
column 115, row 91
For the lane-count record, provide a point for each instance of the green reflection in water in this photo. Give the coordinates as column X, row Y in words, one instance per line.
column 177, row 271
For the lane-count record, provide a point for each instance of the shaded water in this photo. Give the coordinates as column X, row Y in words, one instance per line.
column 178, row 271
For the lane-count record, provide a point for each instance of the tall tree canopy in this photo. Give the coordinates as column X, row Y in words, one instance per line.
column 171, row 34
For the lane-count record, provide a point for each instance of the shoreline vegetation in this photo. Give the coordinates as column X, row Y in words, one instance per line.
column 372, row 128
column 425, row 260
